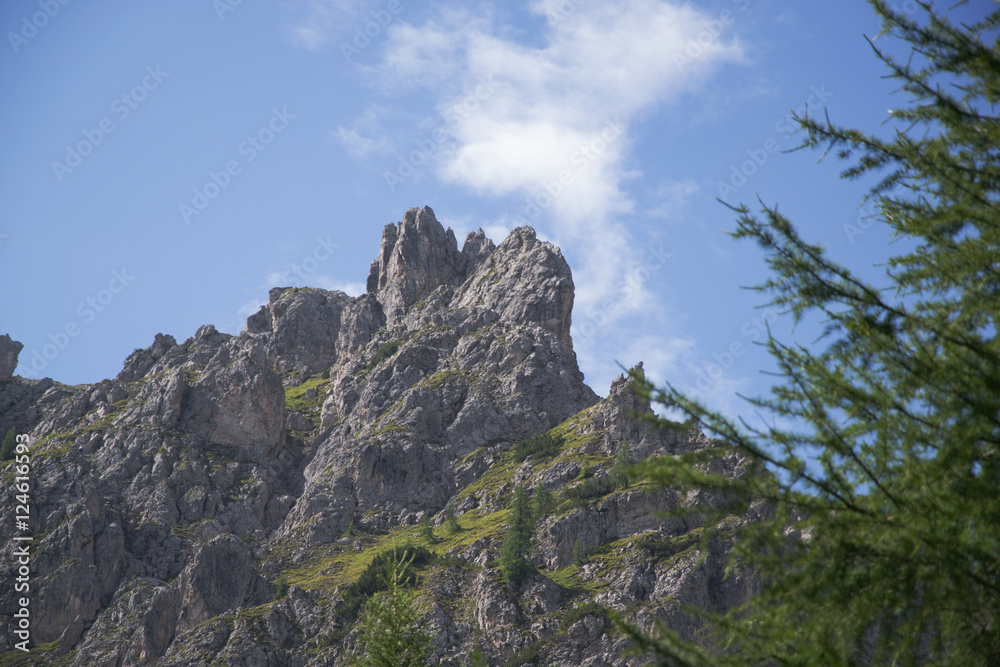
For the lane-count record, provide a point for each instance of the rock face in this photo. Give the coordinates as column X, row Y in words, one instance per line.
column 217, row 498
column 9, row 351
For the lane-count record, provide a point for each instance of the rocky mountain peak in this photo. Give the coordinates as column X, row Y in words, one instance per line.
column 223, row 495
column 415, row 258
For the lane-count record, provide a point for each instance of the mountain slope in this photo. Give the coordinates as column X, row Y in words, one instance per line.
column 172, row 503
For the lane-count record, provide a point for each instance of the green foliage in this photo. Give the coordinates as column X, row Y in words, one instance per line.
column 623, row 461
column 393, row 632
column 385, row 350
column 579, row 556
column 427, row 530
column 9, row 445
column 478, row 658
column 527, row 655
column 453, row 525
column 661, row 548
column 297, row 398
column 589, row 489
column 582, row 611
column 882, row 437
column 378, row 575
column 351, row 530
column 540, row 446
column 544, row 501
column 597, row 487
column 520, row 526
column 280, row 588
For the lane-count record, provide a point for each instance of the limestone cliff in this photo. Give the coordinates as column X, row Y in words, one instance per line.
column 214, row 502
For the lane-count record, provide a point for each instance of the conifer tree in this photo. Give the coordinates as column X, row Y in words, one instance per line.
column 393, row 633
column 884, row 456
column 520, row 526
column 9, row 445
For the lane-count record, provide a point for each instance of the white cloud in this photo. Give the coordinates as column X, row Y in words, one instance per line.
column 365, row 136
column 287, row 278
column 350, row 288
column 549, row 126
column 562, row 109
column 661, row 359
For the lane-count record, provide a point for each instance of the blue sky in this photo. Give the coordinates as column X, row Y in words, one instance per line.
column 166, row 164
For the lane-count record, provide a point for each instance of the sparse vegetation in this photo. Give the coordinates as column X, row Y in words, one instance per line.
column 9, row 445
column 301, row 399
column 544, row 501
column 378, row 575
column 385, row 350
column 623, row 461
column 393, row 634
column 579, row 556
column 520, row 526
column 588, row 489
column 663, row 548
column 584, row 610
column 280, row 588
column 427, row 530
column 527, row 655
column 453, row 525
column 540, row 446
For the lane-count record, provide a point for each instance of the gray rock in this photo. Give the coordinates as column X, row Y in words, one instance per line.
column 9, row 351
column 414, row 259
column 170, row 499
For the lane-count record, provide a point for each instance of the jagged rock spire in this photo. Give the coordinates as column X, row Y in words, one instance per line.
column 415, row 258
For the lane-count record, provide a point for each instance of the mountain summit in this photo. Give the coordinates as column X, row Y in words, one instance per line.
column 221, row 500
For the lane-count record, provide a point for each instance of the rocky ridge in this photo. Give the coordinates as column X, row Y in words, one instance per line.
column 214, row 502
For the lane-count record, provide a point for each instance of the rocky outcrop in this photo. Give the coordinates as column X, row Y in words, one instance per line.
column 217, row 497
column 9, row 352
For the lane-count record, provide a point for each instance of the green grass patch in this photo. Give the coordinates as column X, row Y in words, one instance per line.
column 334, row 565
column 392, row 426
column 662, row 549
column 36, row 655
column 500, row 474
column 297, row 400
column 441, row 378
column 572, row 430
